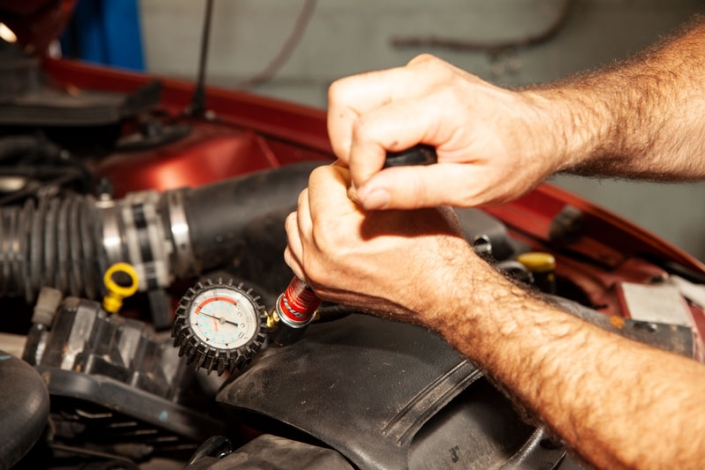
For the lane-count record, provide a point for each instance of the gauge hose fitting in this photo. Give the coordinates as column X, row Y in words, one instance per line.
column 293, row 312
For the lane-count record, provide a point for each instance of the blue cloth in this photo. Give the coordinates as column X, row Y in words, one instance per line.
column 105, row 32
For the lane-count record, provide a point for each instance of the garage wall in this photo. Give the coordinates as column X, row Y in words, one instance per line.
column 348, row 36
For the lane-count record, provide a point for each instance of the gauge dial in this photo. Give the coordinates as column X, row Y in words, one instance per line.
column 224, row 318
column 219, row 325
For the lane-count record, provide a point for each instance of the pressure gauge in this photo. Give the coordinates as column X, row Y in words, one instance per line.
column 219, row 325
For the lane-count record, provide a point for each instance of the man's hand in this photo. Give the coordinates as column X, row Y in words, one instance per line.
column 639, row 119
column 390, row 262
column 592, row 387
column 493, row 144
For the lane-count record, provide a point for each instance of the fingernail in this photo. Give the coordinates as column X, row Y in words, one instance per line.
column 375, row 199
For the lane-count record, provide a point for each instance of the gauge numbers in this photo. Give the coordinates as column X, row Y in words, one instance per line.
column 223, row 318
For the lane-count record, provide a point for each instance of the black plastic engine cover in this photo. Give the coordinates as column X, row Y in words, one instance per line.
column 275, row 453
column 362, row 385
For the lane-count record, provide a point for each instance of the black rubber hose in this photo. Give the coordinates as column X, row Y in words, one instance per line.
column 335, row 312
column 217, row 214
column 24, row 409
column 49, row 243
column 57, row 242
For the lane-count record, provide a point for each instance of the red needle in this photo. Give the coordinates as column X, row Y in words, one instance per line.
column 216, row 324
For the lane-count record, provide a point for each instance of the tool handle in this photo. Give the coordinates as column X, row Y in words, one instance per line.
column 417, row 155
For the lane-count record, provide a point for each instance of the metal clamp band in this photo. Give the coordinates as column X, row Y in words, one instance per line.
column 184, row 261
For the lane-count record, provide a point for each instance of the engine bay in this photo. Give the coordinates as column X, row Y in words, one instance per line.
column 141, row 249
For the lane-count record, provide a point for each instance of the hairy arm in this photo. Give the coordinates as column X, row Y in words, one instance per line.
column 619, row 403
column 644, row 117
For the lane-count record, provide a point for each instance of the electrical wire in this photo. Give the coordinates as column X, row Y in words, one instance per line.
column 285, row 52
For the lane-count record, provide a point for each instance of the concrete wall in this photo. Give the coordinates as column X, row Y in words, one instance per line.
column 349, row 36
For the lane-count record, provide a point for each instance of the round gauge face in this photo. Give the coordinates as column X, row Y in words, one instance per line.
column 223, row 318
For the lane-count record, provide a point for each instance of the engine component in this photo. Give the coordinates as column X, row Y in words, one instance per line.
column 482, row 246
column 516, row 270
column 215, row 447
column 219, row 325
column 293, row 312
column 113, row 380
column 410, row 377
column 267, row 451
column 24, row 409
column 46, row 306
column 567, row 226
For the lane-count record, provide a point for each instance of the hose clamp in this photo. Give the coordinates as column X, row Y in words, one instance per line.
column 184, row 261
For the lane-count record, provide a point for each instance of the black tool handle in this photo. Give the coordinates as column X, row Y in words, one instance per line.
column 417, row 155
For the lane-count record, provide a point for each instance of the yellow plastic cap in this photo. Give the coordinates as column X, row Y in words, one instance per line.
column 538, row 262
column 113, row 301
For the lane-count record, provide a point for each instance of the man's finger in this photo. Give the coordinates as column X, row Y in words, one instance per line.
column 453, row 184
column 293, row 263
column 303, row 216
column 328, row 192
column 294, row 238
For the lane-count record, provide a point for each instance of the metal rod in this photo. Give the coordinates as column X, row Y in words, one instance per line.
column 198, row 101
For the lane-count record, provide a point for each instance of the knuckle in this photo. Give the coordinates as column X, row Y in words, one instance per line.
column 290, row 221
column 303, row 197
column 317, row 175
column 431, row 63
column 423, row 59
column 335, row 91
column 289, row 257
column 436, row 71
column 363, row 130
column 339, row 91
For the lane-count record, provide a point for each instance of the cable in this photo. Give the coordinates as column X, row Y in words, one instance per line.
column 285, row 52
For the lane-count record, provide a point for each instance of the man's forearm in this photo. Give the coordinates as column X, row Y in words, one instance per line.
column 644, row 117
column 619, row 403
